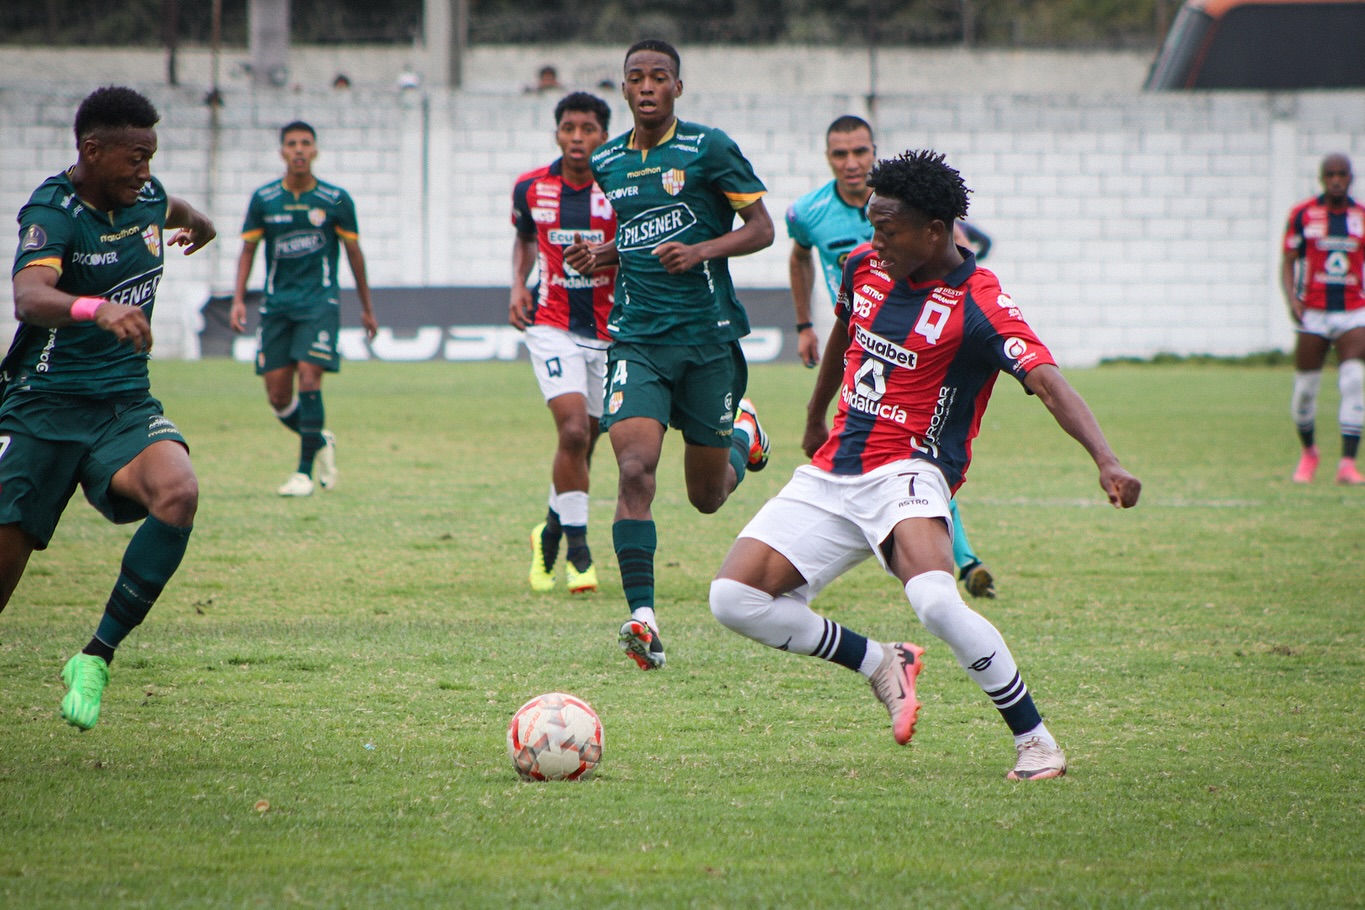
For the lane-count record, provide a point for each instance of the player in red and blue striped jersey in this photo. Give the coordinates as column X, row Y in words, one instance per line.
column 1322, row 277
column 922, row 335
column 565, row 321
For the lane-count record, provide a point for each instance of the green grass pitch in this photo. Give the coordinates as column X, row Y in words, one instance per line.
column 353, row 660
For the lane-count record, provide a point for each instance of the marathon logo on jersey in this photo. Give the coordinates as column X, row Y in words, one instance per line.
column 546, row 190
column 126, row 232
column 643, row 172
column 564, row 237
column 152, row 237
column 297, row 244
column 109, row 257
column 138, row 291
column 674, row 180
column 35, row 238
column 317, row 217
column 279, row 219
column 650, row 228
column 542, row 215
column 884, row 349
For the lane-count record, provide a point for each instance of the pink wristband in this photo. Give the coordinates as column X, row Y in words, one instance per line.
column 83, row 308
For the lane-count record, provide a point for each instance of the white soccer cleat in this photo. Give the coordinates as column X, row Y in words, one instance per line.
column 327, row 461
column 1037, row 761
column 894, row 685
column 298, row 484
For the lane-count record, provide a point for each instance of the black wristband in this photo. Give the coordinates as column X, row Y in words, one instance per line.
column 802, row 326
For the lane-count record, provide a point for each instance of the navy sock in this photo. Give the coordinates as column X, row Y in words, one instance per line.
column 1350, row 445
column 578, row 554
column 549, row 538
column 1020, row 714
column 842, row 646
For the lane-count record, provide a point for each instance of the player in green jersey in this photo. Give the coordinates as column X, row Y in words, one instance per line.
column 304, row 222
column 675, row 358
column 77, row 407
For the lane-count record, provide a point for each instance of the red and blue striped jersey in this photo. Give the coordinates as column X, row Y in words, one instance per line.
column 552, row 210
column 1330, row 243
column 920, row 365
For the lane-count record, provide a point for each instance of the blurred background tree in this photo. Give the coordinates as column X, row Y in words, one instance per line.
column 986, row 23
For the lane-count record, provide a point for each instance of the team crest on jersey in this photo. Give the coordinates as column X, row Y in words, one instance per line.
column 614, row 405
column 152, row 237
column 317, row 217
column 673, row 181
column 35, row 238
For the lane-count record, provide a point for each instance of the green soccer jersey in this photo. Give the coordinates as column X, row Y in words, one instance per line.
column 687, row 188
column 302, row 237
column 117, row 255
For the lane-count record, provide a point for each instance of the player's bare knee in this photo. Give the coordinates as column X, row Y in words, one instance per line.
column 279, row 401
column 176, row 500
column 707, row 501
column 575, row 439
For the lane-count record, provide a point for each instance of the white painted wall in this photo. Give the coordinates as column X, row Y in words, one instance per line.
column 1125, row 224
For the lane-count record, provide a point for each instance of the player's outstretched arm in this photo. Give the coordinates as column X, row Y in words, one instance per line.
column 756, row 233
column 1073, row 415
column 826, row 387
column 38, row 302
column 195, row 228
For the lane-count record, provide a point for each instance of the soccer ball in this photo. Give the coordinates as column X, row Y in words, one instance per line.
column 555, row 737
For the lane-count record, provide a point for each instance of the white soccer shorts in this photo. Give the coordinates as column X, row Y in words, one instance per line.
column 566, row 363
column 1334, row 324
column 825, row 524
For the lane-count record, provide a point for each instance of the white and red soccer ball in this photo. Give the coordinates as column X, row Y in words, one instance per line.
column 555, row 737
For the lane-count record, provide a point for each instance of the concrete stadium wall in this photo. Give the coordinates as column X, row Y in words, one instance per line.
column 1124, row 224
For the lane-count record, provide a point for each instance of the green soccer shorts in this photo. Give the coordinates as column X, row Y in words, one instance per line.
column 694, row 388
column 298, row 336
column 51, row 443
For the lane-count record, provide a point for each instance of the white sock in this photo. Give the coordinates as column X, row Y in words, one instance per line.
column 1303, row 407
column 872, row 659
column 1351, row 381
column 977, row 645
column 1040, row 732
column 573, row 509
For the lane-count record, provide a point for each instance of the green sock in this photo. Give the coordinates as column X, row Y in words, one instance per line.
column 739, row 453
column 150, row 560
column 290, row 415
column 311, row 416
column 635, row 542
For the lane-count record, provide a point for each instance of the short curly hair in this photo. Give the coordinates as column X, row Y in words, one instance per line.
column 659, row 46
column 923, row 181
column 114, row 107
column 584, row 103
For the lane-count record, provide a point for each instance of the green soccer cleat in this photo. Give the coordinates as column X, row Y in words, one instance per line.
column 541, row 578
column 85, row 676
